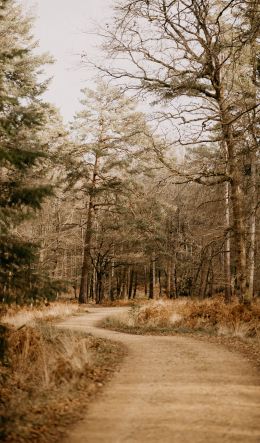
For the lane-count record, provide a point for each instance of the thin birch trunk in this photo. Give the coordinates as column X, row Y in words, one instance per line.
column 253, row 160
column 227, row 256
column 252, row 229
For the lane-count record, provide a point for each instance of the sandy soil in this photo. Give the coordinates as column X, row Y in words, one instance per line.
column 171, row 390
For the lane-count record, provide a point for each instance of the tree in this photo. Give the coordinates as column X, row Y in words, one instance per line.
column 22, row 118
column 187, row 54
column 110, row 136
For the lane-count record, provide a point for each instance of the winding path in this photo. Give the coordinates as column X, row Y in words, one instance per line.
column 170, row 390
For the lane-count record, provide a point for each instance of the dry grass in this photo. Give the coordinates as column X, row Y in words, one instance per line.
column 149, row 317
column 211, row 316
column 47, row 376
column 215, row 316
column 21, row 316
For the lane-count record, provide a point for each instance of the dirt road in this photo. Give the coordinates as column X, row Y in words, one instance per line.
column 171, row 390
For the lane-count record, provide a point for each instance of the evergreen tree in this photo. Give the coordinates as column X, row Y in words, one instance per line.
column 23, row 115
column 111, row 139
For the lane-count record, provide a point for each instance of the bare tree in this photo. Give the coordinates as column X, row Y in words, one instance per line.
column 189, row 55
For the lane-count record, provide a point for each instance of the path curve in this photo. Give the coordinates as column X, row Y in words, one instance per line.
column 170, row 389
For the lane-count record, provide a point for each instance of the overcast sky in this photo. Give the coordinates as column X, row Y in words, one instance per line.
column 63, row 28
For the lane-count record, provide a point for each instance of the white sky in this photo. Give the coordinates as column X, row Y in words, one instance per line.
column 64, row 29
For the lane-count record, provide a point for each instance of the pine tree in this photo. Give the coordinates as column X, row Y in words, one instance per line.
column 23, row 115
column 112, row 137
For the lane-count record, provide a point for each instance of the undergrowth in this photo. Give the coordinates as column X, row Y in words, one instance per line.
column 211, row 316
column 47, row 376
column 233, row 319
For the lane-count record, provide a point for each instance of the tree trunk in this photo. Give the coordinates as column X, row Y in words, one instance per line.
column 99, row 290
column 112, row 275
column 207, row 281
column 160, row 283
column 252, row 228
column 84, row 284
column 170, row 278
column 86, row 265
column 145, row 282
column 111, row 282
column 253, row 8
column 124, row 284
column 130, row 283
column 135, row 284
column 118, row 285
column 176, row 282
column 227, row 258
column 151, row 281
column 237, row 202
column 239, row 239
column 154, row 272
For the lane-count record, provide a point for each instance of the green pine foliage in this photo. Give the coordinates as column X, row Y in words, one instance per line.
column 23, row 116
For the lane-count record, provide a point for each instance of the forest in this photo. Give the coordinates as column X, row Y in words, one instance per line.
column 125, row 201
column 129, row 237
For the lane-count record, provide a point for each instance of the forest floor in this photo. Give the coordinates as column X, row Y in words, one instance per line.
column 174, row 389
